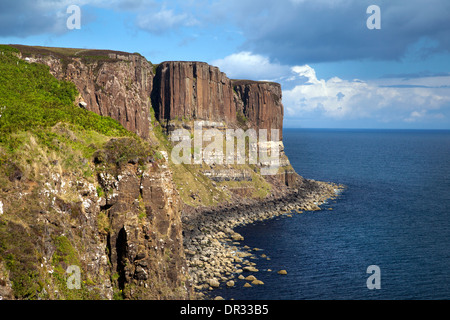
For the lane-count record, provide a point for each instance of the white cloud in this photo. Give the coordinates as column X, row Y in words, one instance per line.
column 420, row 115
column 383, row 99
column 246, row 65
column 334, row 97
column 415, row 115
column 307, row 72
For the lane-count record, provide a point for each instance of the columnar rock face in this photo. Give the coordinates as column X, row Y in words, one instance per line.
column 260, row 104
column 192, row 90
column 185, row 91
column 198, row 91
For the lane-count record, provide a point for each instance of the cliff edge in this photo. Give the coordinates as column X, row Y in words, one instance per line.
column 88, row 180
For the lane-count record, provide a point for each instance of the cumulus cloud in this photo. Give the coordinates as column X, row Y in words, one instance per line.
column 335, row 97
column 391, row 99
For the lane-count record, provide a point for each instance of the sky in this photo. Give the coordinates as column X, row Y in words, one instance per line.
column 341, row 63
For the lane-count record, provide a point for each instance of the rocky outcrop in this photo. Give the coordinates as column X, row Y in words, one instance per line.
column 197, row 91
column 213, row 249
column 118, row 89
column 192, row 90
column 121, row 228
column 144, row 239
column 260, row 104
column 122, row 86
column 185, row 91
column 110, row 83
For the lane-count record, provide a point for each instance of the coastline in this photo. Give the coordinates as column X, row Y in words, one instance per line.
column 213, row 251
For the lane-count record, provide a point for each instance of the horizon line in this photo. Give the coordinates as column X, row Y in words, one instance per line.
column 404, row 129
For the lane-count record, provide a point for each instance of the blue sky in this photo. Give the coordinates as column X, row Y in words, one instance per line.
column 335, row 72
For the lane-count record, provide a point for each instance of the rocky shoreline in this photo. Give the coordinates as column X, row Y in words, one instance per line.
column 213, row 251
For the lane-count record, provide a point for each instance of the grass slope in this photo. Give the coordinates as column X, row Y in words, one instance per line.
column 42, row 134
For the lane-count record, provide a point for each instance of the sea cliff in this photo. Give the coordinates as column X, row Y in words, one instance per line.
column 113, row 203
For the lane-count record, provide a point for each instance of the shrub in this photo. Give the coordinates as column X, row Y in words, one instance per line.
column 120, row 151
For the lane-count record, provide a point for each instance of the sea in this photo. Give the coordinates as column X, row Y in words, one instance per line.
column 387, row 235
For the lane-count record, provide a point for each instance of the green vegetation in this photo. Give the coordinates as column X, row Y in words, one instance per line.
column 103, row 223
column 43, row 133
column 17, row 254
column 155, row 67
column 64, row 253
column 241, row 119
column 116, row 152
column 31, row 99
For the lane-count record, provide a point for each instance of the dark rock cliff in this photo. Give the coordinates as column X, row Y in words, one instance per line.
column 195, row 90
column 127, row 224
column 121, row 225
column 185, row 91
column 123, row 86
column 192, row 90
column 260, row 104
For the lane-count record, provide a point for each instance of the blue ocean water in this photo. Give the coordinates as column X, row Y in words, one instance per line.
column 395, row 214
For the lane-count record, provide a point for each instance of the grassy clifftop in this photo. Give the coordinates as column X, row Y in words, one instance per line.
column 32, row 99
